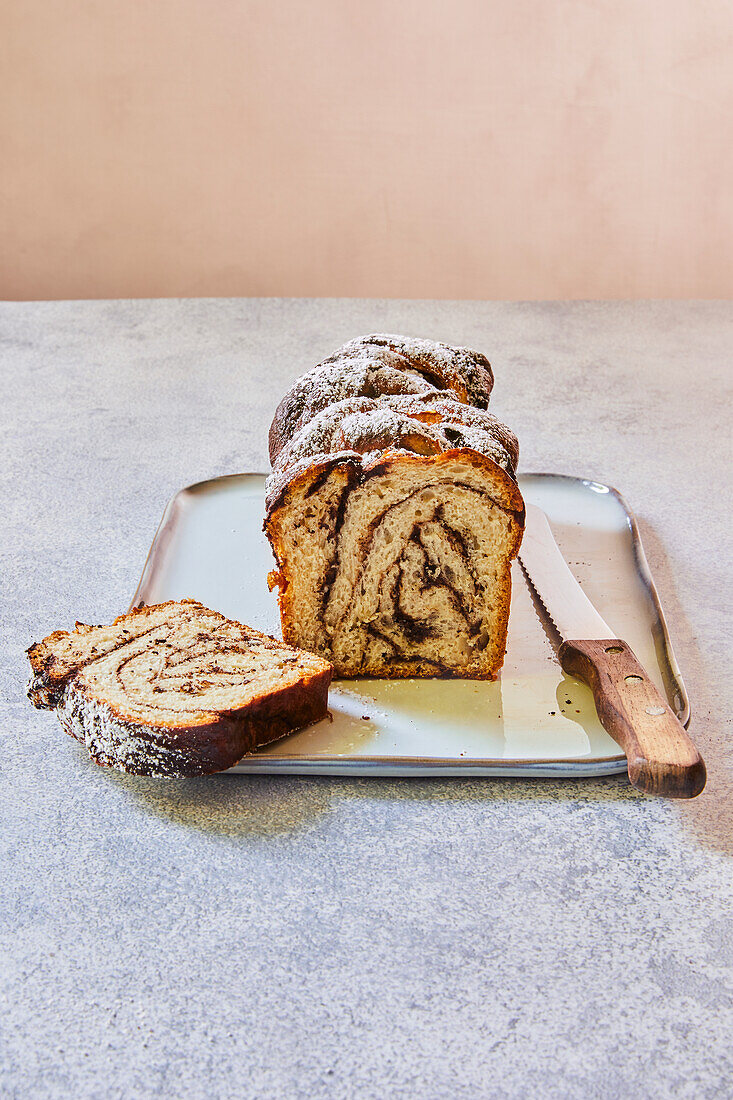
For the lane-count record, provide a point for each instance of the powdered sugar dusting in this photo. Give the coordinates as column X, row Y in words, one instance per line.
column 460, row 369
column 422, row 424
column 379, row 365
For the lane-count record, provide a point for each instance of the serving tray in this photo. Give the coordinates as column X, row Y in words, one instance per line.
column 534, row 721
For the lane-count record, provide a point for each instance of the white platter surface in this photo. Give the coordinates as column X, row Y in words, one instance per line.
column 534, row 720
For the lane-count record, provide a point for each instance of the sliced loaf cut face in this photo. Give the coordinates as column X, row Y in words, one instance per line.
column 175, row 689
column 396, row 564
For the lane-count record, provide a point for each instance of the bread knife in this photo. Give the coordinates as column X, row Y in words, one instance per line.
column 662, row 759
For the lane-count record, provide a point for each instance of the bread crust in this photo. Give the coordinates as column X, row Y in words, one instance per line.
column 380, row 364
column 304, row 474
column 419, row 423
column 202, row 748
column 202, row 742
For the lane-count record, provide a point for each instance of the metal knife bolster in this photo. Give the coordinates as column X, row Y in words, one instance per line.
column 565, row 601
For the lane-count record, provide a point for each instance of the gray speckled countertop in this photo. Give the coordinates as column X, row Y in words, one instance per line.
column 261, row 937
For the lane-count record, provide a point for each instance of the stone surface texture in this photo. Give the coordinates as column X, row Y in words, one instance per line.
column 292, row 937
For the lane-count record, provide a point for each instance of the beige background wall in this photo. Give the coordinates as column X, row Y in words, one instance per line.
column 438, row 148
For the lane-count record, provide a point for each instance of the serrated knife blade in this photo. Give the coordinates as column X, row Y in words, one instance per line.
column 661, row 757
column 564, row 600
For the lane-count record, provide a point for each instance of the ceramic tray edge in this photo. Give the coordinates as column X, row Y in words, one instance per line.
column 392, row 766
column 414, row 766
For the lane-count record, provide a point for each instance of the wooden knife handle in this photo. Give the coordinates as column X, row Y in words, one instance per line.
column 661, row 757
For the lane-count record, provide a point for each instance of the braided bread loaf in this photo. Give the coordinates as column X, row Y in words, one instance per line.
column 394, row 517
column 377, row 365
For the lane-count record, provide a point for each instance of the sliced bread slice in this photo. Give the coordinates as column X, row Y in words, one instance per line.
column 175, row 689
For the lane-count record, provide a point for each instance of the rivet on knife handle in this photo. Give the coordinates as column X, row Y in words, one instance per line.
column 662, row 759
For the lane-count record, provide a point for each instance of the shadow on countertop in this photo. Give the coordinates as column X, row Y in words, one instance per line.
column 239, row 806
column 234, row 806
column 270, row 807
